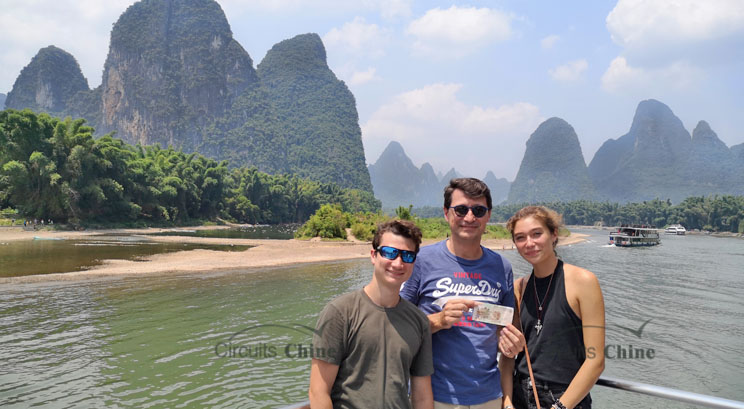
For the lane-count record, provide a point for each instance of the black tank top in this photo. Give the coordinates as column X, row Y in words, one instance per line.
column 558, row 351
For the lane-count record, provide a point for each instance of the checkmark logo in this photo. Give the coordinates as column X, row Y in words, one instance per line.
column 636, row 332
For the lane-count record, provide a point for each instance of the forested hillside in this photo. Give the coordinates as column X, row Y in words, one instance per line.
column 175, row 76
column 54, row 169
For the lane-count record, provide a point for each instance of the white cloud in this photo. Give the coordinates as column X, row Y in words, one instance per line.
column 549, row 41
column 358, row 37
column 622, row 78
column 662, row 31
column 436, row 127
column 459, row 30
column 569, row 72
column 363, row 77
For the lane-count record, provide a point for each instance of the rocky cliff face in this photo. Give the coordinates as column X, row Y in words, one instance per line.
column 48, row 82
column 317, row 113
column 172, row 69
column 553, row 167
column 174, row 76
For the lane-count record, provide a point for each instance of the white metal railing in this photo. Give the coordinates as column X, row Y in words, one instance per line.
column 669, row 393
column 637, row 387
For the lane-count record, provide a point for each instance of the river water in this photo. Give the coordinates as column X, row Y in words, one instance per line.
column 241, row 338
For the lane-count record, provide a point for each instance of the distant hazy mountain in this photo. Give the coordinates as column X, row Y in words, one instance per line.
column 2, row 101
column 553, row 167
column 499, row 187
column 175, row 76
column 48, row 82
column 738, row 151
column 658, row 158
column 429, row 178
column 451, row 174
column 398, row 182
column 710, row 164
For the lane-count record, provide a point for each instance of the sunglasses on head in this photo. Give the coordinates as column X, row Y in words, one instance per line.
column 391, row 253
column 462, row 210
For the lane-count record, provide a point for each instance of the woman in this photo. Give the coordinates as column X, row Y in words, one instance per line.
column 561, row 316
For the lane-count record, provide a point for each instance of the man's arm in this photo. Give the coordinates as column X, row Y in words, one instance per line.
column 450, row 314
column 421, row 395
column 322, row 376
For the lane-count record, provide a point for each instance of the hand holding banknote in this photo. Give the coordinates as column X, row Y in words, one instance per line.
column 511, row 340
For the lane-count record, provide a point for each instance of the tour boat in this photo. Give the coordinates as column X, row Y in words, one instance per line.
column 677, row 229
column 635, row 236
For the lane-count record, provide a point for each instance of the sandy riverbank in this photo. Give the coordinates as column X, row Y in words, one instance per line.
column 265, row 253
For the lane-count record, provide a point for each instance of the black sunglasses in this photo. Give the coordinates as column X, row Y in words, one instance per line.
column 462, row 210
column 391, row 253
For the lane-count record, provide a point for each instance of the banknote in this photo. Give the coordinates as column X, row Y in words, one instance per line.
column 493, row 314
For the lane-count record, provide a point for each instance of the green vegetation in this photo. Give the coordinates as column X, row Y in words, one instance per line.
column 54, row 169
column 59, row 71
column 175, row 76
column 316, row 113
column 713, row 213
column 330, row 222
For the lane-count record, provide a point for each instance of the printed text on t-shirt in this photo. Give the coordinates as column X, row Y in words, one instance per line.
column 445, row 286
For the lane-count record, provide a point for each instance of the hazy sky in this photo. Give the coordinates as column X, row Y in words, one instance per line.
column 464, row 84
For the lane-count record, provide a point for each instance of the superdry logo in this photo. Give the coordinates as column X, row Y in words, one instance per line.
column 446, row 287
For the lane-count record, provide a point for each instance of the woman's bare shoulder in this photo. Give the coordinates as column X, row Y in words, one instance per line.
column 579, row 275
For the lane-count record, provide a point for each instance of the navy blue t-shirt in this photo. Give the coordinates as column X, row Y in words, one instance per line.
column 465, row 366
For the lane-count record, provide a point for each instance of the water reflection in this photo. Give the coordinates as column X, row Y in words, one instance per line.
column 150, row 341
column 27, row 257
column 276, row 232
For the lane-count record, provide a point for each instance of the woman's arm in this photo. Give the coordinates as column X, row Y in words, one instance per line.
column 591, row 310
column 511, row 343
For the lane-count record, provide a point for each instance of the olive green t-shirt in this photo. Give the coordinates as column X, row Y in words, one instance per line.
column 377, row 350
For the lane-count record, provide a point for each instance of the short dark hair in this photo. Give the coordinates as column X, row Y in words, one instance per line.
column 472, row 187
column 398, row 227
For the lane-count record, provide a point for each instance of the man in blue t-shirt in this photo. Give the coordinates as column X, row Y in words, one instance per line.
column 449, row 278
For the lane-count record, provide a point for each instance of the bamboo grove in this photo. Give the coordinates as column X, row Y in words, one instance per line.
column 53, row 168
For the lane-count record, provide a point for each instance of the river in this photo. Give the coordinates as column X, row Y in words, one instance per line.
column 241, row 338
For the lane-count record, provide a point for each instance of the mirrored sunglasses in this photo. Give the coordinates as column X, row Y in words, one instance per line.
column 391, row 253
column 462, row 210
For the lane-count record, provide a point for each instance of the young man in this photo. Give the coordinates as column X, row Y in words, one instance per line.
column 449, row 278
column 375, row 341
